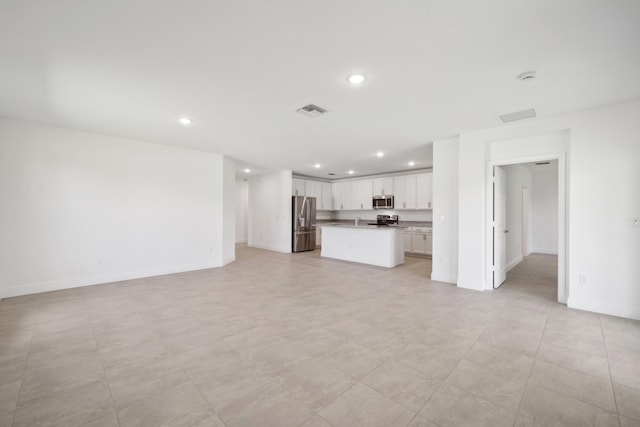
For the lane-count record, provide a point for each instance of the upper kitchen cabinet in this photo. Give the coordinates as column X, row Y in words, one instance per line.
column 362, row 194
column 326, row 200
column 383, row 186
column 404, row 188
column 299, row 187
column 342, row 195
column 423, row 191
column 314, row 189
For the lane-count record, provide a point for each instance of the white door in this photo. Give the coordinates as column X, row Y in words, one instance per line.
column 499, row 226
column 525, row 221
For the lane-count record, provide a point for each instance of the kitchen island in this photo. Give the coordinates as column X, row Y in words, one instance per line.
column 368, row 244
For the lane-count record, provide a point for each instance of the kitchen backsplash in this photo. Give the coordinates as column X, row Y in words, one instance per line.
column 413, row 216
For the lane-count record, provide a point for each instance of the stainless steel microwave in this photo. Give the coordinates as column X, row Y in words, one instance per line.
column 382, row 202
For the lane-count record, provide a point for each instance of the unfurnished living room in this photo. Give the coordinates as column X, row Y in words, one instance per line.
column 287, row 213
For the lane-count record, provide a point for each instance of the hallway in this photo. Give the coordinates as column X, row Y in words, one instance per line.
column 536, row 276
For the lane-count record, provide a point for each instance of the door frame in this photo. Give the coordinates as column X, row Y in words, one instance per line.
column 563, row 227
column 499, row 176
column 525, row 220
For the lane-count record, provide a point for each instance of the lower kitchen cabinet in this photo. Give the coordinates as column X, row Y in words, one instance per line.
column 429, row 244
column 418, row 241
column 407, row 241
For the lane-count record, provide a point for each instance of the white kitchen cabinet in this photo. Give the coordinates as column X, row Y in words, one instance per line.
column 342, row 196
column 404, row 188
column 299, row 187
column 314, row 189
column 423, row 191
column 418, row 240
column 326, row 199
column 383, row 186
column 407, row 241
column 419, row 243
column 362, row 194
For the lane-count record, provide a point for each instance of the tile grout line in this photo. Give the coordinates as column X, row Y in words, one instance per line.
column 535, row 358
column 199, row 392
column 567, row 395
column 444, row 381
column 574, row 397
column 24, row 369
column 106, row 379
column 606, row 353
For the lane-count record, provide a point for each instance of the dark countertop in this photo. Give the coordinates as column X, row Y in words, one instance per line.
column 401, row 224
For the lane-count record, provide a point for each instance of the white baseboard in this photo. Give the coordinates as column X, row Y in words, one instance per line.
column 629, row 311
column 438, row 277
column 270, row 248
column 544, row 251
column 57, row 285
column 514, row 262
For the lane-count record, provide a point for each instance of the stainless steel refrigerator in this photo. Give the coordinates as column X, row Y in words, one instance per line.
column 303, row 215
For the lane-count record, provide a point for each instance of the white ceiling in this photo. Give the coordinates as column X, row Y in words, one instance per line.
column 240, row 69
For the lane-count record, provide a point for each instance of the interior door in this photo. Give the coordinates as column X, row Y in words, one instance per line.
column 499, row 226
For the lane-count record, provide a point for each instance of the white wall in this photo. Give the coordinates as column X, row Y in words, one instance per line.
column 518, row 176
column 228, row 210
column 270, row 211
column 602, row 170
column 544, row 212
column 80, row 208
column 242, row 207
column 445, row 211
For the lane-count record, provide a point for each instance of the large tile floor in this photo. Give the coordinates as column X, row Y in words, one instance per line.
column 294, row 339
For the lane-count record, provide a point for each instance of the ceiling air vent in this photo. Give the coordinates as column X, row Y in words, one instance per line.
column 311, row 110
column 518, row 115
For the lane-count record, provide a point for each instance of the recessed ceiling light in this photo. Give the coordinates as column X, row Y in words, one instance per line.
column 356, row 79
column 380, row 154
column 350, row 172
column 185, row 121
column 247, row 170
column 529, row 75
column 317, row 166
column 412, row 163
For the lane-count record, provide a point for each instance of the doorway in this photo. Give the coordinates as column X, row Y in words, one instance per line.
column 523, row 222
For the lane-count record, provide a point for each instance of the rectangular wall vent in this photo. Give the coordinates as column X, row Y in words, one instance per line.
column 518, row 115
column 311, row 110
